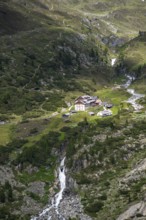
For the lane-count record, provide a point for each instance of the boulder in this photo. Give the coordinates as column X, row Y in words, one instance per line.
column 135, row 211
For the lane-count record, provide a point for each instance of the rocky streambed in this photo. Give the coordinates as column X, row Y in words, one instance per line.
column 135, row 96
column 65, row 204
column 52, row 211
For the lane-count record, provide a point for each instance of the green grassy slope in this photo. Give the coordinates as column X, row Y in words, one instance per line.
column 134, row 52
column 44, row 55
column 134, row 59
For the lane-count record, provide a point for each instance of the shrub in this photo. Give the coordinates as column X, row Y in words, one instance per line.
column 33, row 131
column 82, row 179
column 103, row 197
column 94, row 207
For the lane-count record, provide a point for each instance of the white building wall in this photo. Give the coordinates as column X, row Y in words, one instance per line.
column 80, row 107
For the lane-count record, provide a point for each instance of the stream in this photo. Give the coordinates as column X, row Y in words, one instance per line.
column 52, row 210
column 135, row 96
column 132, row 100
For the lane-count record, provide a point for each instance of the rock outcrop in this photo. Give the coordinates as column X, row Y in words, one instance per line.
column 37, row 188
column 71, row 207
column 136, row 211
column 137, row 173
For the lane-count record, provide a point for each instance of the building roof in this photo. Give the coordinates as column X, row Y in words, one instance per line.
column 86, row 100
column 66, row 115
column 105, row 113
column 109, row 105
column 79, row 102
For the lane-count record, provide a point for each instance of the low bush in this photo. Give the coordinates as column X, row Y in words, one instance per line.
column 94, row 207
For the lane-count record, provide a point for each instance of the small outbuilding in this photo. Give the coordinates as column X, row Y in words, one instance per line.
column 2, row 122
column 91, row 113
column 66, row 115
column 109, row 106
column 104, row 113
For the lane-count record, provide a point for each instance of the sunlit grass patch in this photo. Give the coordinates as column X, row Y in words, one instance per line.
column 5, row 134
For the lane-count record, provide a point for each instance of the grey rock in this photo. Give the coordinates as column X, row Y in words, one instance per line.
column 134, row 211
column 6, row 174
column 37, row 188
column 137, row 173
column 30, row 169
column 71, row 207
column 30, row 206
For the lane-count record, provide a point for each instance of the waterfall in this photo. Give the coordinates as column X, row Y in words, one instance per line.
column 113, row 61
column 62, row 180
column 57, row 199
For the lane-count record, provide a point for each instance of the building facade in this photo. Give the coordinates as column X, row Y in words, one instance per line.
column 80, row 106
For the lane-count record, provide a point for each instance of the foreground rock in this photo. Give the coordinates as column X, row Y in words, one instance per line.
column 135, row 175
column 71, row 207
column 137, row 211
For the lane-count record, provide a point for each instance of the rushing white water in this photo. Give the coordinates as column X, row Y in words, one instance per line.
column 132, row 100
column 58, row 197
column 135, row 96
column 129, row 81
column 113, row 61
column 62, row 180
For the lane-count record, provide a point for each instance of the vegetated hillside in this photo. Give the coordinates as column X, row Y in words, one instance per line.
column 12, row 21
column 54, row 51
column 117, row 20
column 105, row 167
column 107, row 163
column 54, row 42
column 122, row 18
column 133, row 60
column 133, row 52
column 42, row 55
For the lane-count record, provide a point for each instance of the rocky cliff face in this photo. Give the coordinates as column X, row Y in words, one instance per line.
column 110, row 174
